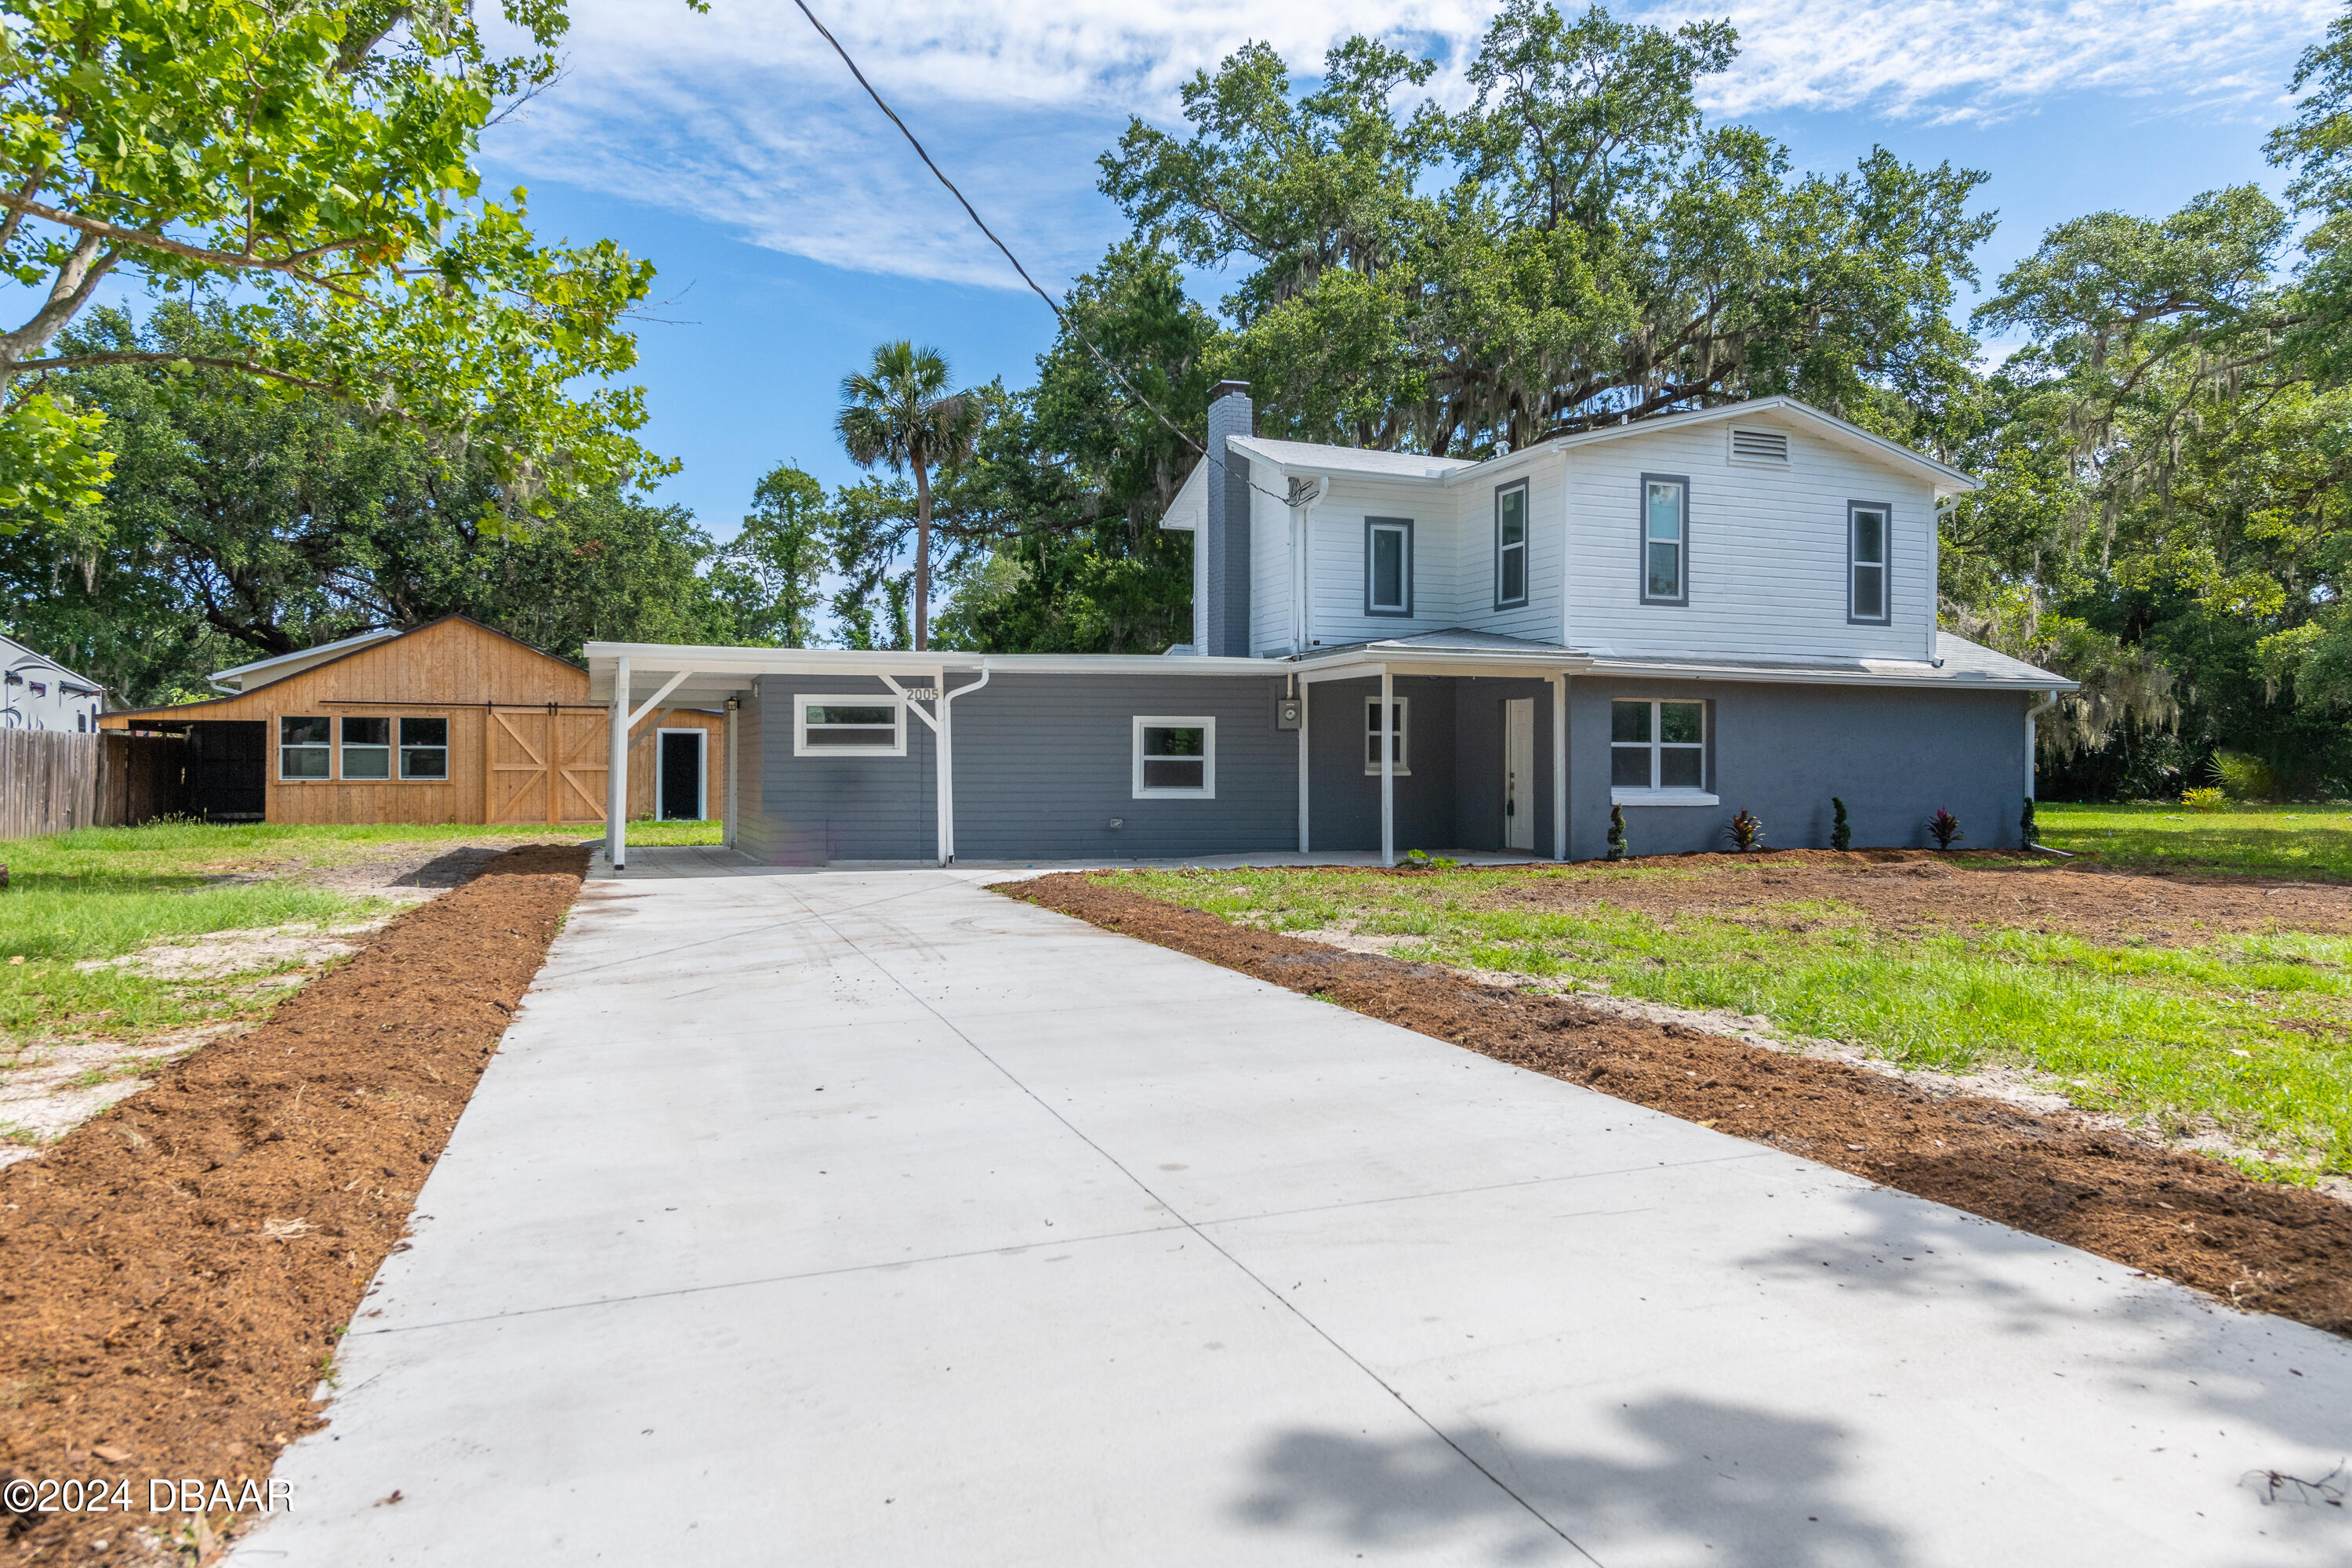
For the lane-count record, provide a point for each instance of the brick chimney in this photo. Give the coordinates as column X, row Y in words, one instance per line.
column 1227, row 537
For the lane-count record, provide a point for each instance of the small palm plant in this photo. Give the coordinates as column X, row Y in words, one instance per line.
column 1746, row 831
column 1946, row 828
column 1841, row 830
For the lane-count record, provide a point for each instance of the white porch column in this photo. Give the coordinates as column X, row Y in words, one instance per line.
column 727, row 779
column 616, row 770
column 1388, row 767
column 1560, row 767
column 943, row 749
column 1303, row 769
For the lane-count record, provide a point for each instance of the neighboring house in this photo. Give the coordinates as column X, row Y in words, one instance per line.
column 1682, row 616
column 451, row 721
column 39, row 693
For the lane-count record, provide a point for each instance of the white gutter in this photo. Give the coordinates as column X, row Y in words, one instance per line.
column 1302, row 603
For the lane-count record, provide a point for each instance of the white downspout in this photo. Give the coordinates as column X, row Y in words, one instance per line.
column 947, row 747
column 1303, row 601
column 2049, row 700
column 1388, row 767
column 617, row 769
column 1935, row 586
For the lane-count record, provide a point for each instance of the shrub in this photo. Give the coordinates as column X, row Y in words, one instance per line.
column 2242, row 777
column 1422, row 860
column 1746, row 831
column 1841, row 830
column 2025, row 824
column 1616, row 833
column 2211, row 798
column 1946, row 828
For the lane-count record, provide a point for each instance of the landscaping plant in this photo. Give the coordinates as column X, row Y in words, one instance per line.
column 1746, row 831
column 1946, row 828
column 2242, row 777
column 2025, row 824
column 1841, row 830
column 2209, row 798
column 1616, row 833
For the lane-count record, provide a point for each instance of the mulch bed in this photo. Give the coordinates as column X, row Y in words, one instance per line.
column 2263, row 1247
column 175, row 1272
column 1913, row 890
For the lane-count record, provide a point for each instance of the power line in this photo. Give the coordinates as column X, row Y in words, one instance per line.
column 1051, row 304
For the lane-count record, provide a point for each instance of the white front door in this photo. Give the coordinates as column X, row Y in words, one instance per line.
column 1519, row 773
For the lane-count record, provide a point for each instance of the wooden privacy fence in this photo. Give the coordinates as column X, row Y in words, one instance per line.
column 55, row 782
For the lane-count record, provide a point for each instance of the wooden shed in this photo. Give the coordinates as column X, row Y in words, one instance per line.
column 452, row 722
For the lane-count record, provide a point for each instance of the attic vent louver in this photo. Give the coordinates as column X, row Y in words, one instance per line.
column 1759, row 446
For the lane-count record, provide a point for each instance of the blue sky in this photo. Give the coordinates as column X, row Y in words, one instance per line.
column 793, row 230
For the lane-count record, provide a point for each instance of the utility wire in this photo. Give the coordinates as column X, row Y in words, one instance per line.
column 1069, row 325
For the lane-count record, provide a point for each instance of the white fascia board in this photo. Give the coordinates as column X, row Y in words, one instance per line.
column 710, row 665
column 1357, row 664
column 1339, row 468
column 1948, row 480
column 1919, row 676
column 1189, row 512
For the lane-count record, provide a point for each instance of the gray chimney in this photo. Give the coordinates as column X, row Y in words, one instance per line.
column 1227, row 537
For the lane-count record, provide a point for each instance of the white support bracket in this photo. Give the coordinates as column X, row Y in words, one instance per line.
column 672, row 684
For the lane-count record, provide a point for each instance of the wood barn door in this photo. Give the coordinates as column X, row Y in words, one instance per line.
column 543, row 764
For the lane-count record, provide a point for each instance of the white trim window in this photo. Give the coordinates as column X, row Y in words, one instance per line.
column 424, row 750
column 1399, row 735
column 1511, row 545
column 1388, row 566
column 831, row 725
column 1666, row 539
column 367, row 749
column 1175, row 757
column 1657, row 754
column 304, row 755
column 1868, row 525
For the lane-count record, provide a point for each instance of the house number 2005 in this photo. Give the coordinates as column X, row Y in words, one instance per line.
column 923, row 693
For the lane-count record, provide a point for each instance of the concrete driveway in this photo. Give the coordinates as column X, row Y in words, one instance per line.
column 878, row 1219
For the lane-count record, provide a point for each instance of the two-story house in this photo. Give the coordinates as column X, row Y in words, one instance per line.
column 1682, row 616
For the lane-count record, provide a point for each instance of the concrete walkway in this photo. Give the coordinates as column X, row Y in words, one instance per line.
column 877, row 1219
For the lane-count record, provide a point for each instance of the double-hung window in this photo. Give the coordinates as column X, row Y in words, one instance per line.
column 424, row 749
column 1175, row 756
column 367, row 748
column 1657, row 752
column 1666, row 539
column 1511, row 546
column 1866, row 530
column 1396, row 732
column 302, row 748
column 848, row 727
column 1388, row 566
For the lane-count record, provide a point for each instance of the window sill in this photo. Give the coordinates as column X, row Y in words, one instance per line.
column 1661, row 797
column 1174, row 794
column 1394, row 772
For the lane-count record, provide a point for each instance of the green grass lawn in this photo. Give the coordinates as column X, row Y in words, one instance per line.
column 2303, row 841
column 2251, row 1033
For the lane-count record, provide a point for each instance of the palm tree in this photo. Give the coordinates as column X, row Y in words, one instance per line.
column 901, row 413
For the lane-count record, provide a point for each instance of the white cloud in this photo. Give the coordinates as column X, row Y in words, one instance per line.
column 745, row 117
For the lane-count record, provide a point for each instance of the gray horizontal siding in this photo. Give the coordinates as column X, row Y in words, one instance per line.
column 1781, row 752
column 1043, row 763
column 814, row 810
column 1452, row 797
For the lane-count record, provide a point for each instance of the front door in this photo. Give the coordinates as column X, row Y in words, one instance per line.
column 1519, row 773
column 681, row 775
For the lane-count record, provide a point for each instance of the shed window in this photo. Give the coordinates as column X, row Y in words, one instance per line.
column 1399, row 732
column 1866, row 530
column 1657, row 747
column 367, row 748
column 1511, row 546
column 1175, row 756
column 1388, row 566
column 424, row 748
column 849, row 727
column 1666, row 539
column 302, row 748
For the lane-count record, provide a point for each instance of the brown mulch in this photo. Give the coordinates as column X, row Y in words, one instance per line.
column 175, row 1272
column 1909, row 889
column 2266, row 1248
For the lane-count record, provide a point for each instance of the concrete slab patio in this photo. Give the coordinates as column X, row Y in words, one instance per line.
column 873, row 1219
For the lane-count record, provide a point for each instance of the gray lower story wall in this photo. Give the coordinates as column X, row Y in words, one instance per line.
column 1044, row 765
column 1893, row 755
column 814, row 810
column 1450, row 794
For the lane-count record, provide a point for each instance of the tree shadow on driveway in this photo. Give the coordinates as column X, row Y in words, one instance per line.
column 1691, row 1480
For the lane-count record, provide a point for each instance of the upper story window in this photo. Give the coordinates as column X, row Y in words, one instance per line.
column 1666, row 539
column 849, row 726
column 1399, row 719
column 1388, row 566
column 1511, row 546
column 424, row 748
column 367, row 748
column 1175, row 756
column 1867, row 525
column 302, row 747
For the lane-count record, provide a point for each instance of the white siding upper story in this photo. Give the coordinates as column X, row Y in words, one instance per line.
column 39, row 693
column 1767, row 570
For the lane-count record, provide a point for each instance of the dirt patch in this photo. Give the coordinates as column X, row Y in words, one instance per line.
column 2265, row 1249
column 1913, row 890
column 174, row 1275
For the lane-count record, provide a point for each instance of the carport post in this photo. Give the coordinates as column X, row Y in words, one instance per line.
column 1302, row 685
column 616, row 770
column 1388, row 767
column 1560, row 767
